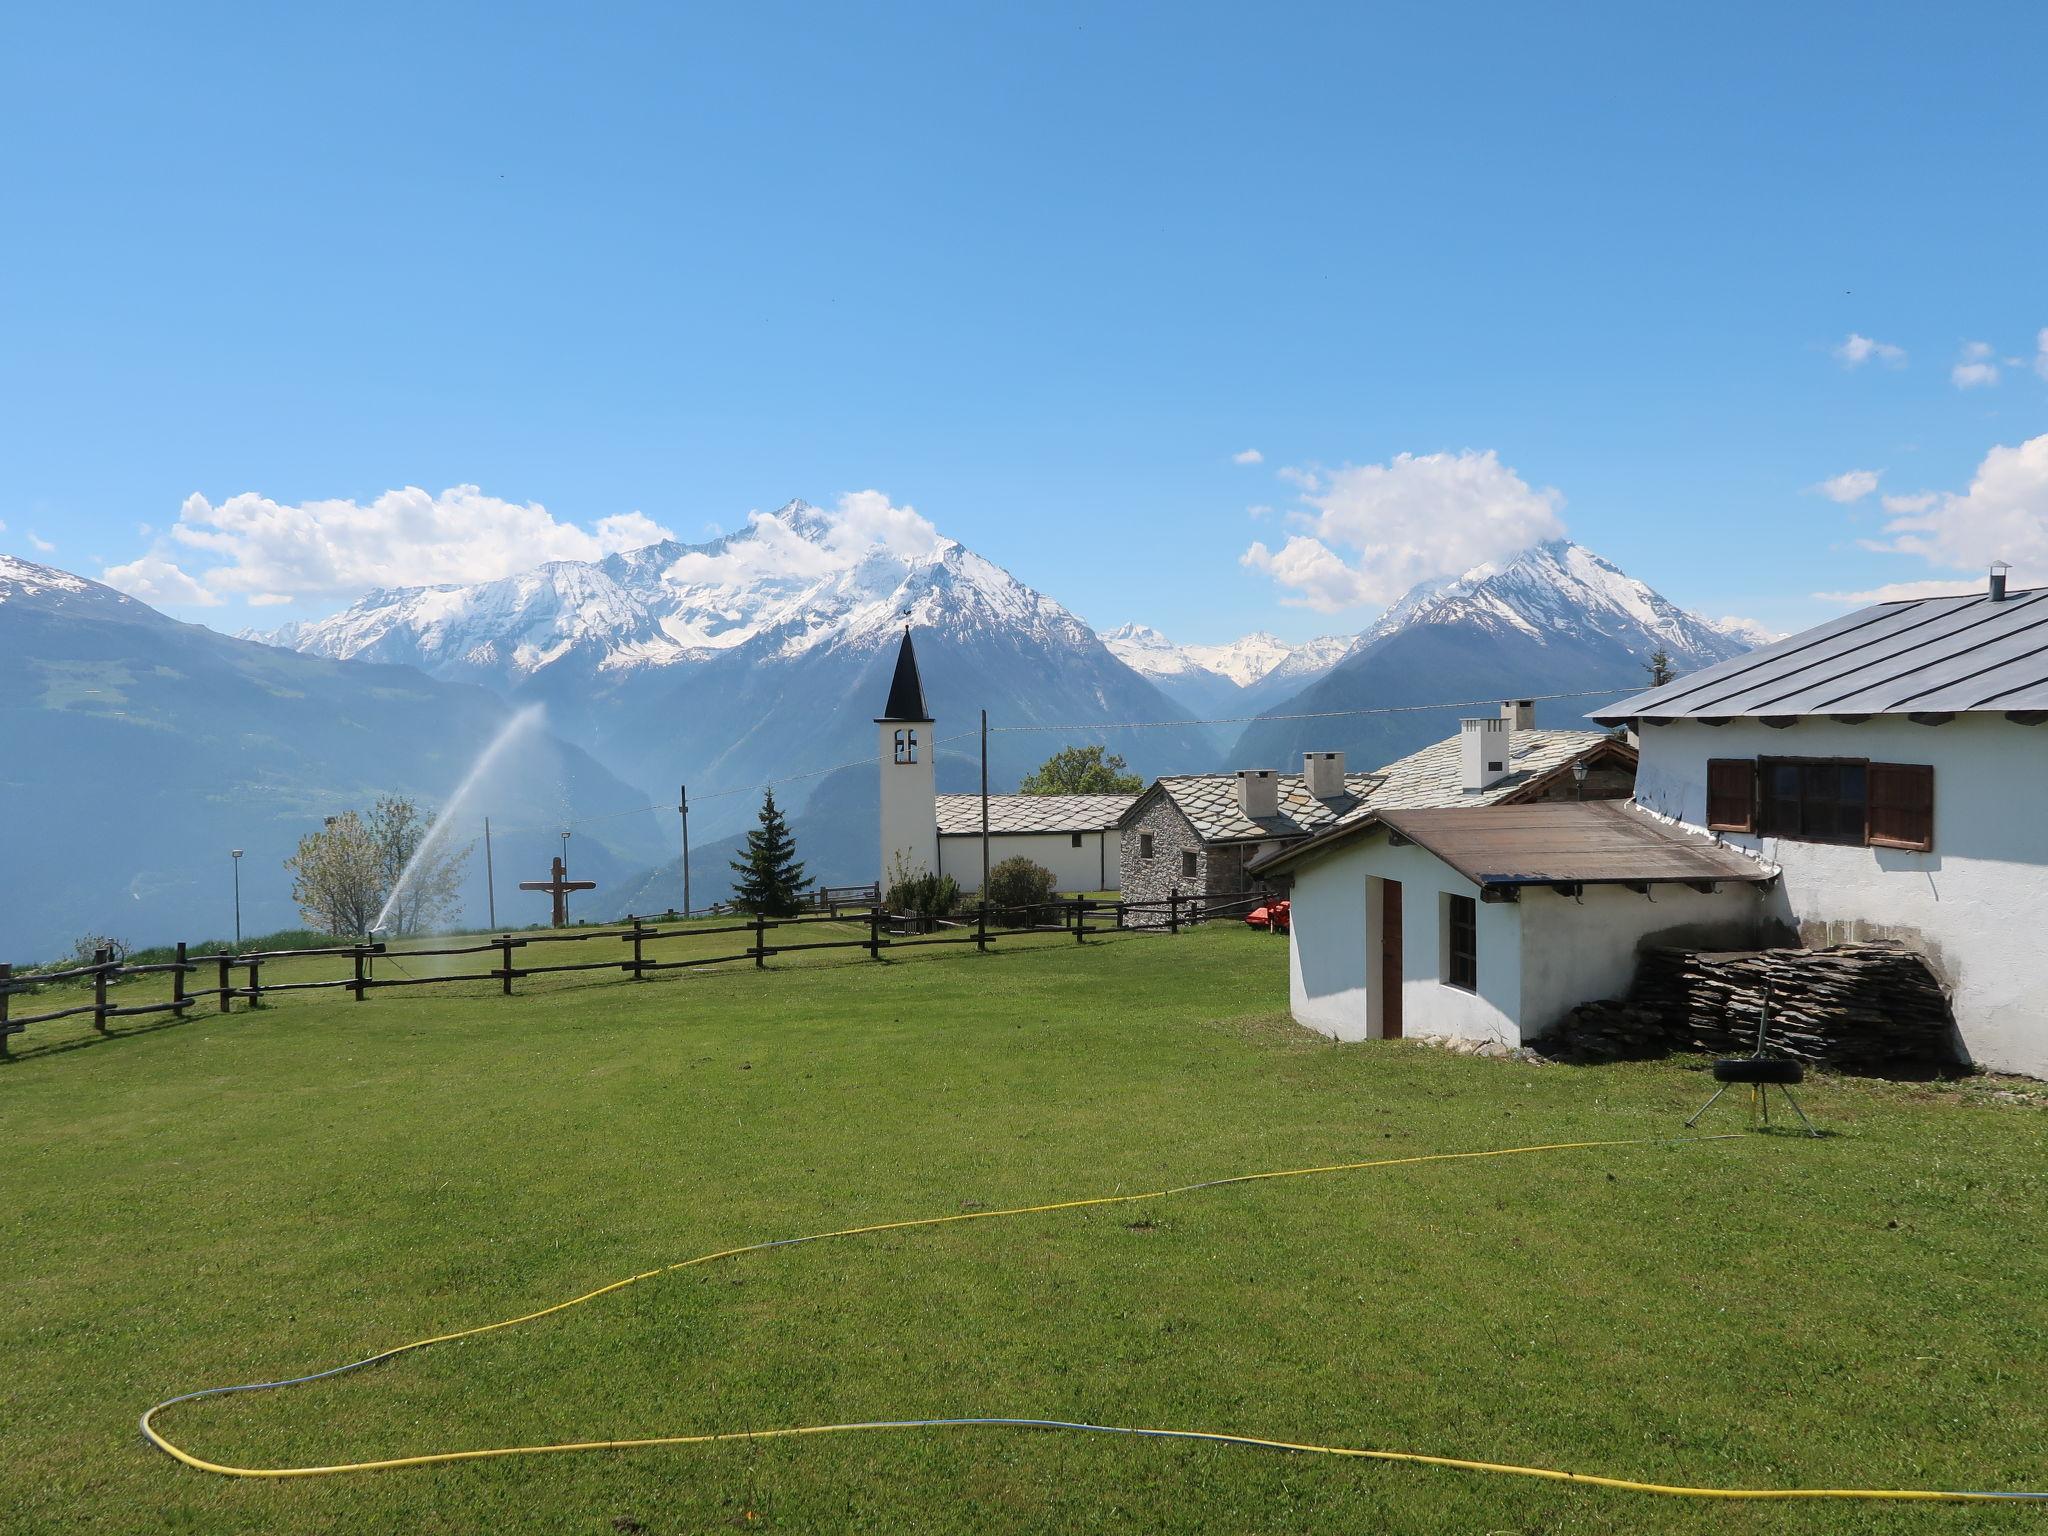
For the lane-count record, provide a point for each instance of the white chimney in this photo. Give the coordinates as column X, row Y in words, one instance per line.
column 1258, row 792
column 1483, row 752
column 1324, row 774
column 1520, row 714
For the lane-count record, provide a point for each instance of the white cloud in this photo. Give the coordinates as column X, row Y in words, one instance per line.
column 863, row 523
column 2003, row 516
column 1405, row 521
column 1976, row 368
column 159, row 582
column 1249, row 456
column 1919, row 501
column 1850, row 485
column 268, row 599
column 1857, row 350
column 254, row 546
column 41, row 544
column 1905, row 591
column 2041, row 353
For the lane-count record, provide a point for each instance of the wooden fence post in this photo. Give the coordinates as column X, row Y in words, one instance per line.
column 6, row 991
column 505, row 963
column 100, row 959
column 1080, row 920
column 255, row 985
column 637, row 976
column 875, row 932
column 760, row 942
column 981, row 927
column 356, row 987
column 178, row 998
column 223, row 997
column 1173, row 910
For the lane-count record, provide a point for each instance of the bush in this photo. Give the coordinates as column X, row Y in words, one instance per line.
column 924, row 895
column 1020, row 894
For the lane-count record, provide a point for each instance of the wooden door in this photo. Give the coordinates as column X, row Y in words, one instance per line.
column 1390, row 959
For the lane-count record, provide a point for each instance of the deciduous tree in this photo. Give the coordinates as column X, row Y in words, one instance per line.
column 1082, row 771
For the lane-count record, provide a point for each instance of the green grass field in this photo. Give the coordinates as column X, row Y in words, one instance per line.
column 235, row 1199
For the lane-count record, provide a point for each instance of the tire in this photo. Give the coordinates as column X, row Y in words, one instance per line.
column 1758, row 1069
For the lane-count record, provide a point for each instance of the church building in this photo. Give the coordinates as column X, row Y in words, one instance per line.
column 1074, row 836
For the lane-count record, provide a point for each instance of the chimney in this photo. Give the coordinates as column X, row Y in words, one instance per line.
column 1520, row 714
column 1483, row 752
column 1998, row 570
column 1324, row 774
column 1258, row 792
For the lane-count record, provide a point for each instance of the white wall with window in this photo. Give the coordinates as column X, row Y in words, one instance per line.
column 1932, row 835
column 1079, row 861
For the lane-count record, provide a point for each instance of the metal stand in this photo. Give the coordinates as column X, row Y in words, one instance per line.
column 1760, row 1073
column 1759, row 1106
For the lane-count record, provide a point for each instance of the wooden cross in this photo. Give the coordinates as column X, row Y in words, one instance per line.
column 559, row 887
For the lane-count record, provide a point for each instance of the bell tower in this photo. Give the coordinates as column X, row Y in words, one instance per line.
column 910, row 805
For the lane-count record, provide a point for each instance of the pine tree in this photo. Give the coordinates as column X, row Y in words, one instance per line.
column 771, row 881
column 1659, row 667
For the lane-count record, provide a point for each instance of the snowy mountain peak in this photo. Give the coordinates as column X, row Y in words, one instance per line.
column 1241, row 663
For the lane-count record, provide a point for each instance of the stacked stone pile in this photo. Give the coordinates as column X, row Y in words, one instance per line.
column 1872, row 1008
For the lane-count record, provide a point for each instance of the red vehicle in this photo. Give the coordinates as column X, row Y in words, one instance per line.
column 1273, row 916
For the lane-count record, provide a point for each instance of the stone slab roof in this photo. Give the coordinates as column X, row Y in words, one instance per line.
column 960, row 815
column 1430, row 777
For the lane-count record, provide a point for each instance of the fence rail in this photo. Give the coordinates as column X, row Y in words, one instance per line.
column 1082, row 916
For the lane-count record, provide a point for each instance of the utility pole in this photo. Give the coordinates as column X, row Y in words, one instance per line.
column 490, row 876
column 984, row 808
column 236, row 855
column 683, row 810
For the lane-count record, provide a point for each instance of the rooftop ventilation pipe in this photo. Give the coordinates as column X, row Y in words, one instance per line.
column 1998, row 570
column 1258, row 792
column 1324, row 774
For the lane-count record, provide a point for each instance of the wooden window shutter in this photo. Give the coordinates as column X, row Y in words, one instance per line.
column 1731, row 794
column 1901, row 806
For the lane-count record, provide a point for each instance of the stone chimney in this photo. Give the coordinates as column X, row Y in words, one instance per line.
column 1323, row 772
column 1258, row 792
column 1520, row 714
column 1483, row 751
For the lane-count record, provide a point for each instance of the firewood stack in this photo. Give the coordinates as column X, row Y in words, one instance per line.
column 1870, row 1008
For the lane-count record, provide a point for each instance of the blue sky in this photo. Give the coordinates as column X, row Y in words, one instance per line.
column 1041, row 273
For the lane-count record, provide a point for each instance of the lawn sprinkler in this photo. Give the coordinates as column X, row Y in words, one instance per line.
column 1762, row 1072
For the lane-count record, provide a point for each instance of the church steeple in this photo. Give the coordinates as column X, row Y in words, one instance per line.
column 906, row 689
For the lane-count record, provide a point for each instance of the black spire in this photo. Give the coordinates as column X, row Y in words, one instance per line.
column 906, row 689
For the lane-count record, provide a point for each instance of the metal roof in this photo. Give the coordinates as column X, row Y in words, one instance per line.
column 1932, row 655
column 960, row 815
column 1552, row 842
column 1432, row 776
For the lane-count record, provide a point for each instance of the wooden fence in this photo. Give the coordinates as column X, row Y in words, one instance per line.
column 1083, row 917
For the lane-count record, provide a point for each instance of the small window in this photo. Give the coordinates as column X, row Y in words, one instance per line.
column 1731, row 795
column 1461, row 943
column 1814, row 800
column 1077, row 839
column 1144, row 845
column 1187, row 863
column 906, row 746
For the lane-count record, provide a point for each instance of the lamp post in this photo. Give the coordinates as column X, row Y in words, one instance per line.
column 236, row 855
column 1579, row 775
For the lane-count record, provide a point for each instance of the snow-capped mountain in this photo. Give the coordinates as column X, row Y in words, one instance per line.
column 1209, row 678
column 762, row 653
column 1556, row 619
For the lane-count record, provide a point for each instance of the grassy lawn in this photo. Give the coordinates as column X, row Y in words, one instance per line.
column 234, row 1199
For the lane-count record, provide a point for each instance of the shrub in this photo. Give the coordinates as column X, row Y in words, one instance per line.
column 1020, row 893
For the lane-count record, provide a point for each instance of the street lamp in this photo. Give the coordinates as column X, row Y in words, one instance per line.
column 236, row 855
column 1579, row 775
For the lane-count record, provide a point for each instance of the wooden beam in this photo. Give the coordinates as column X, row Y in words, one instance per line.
column 1705, row 887
column 1395, row 839
column 1499, row 893
column 2026, row 716
column 1780, row 722
column 1567, row 888
column 1849, row 719
column 1716, row 720
column 1640, row 887
column 1932, row 716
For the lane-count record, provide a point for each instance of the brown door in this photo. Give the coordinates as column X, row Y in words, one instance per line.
column 1390, row 959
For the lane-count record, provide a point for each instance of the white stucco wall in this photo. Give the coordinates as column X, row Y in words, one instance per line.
column 909, row 803
column 1973, row 905
column 1090, row 867
column 1333, row 948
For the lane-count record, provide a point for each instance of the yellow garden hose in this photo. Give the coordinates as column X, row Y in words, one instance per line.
column 433, row 1458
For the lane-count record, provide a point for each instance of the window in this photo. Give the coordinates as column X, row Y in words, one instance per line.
column 1901, row 806
column 1731, row 795
column 1814, row 800
column 1077, row 839
column 1187, row 864
column 1144, row 845
column 906, row 746
column 1461, row 943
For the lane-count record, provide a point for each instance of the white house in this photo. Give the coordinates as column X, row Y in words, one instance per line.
column 923, row 831
column 1490, row 922
column 1893, row 763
